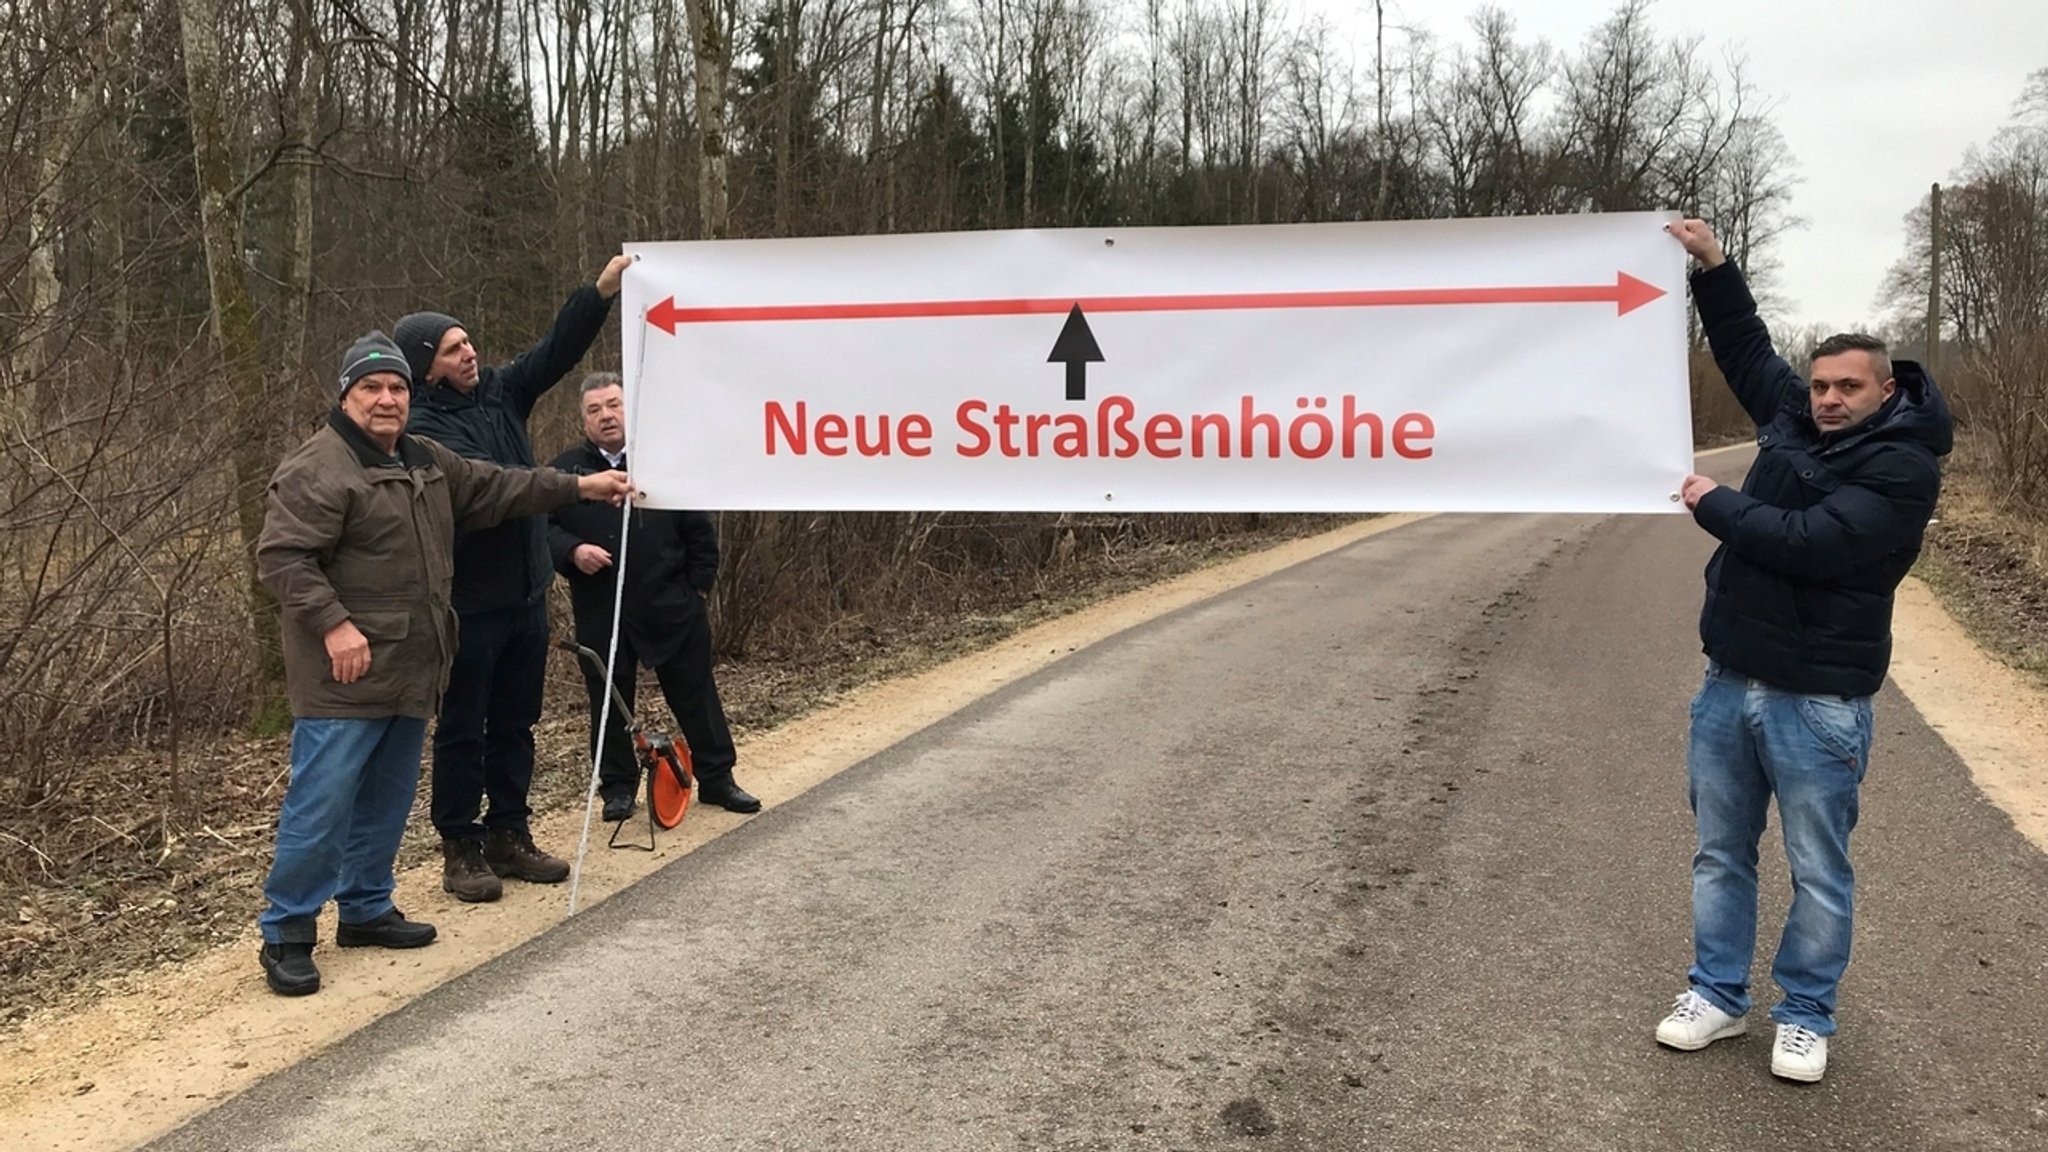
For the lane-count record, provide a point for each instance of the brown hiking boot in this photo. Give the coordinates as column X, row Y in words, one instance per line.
column 464, row 872
column 513, row 854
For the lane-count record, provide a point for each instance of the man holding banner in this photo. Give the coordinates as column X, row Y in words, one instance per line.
column 483, row 740
column 358, row 546
column 1797, row 633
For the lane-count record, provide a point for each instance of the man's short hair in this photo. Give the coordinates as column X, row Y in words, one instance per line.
column 596, row 380
column 1840, row 342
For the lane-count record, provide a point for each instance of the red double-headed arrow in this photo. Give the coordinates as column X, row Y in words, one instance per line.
column 1626, row 294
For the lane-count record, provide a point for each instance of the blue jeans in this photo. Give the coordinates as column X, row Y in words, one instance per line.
column 338, row 833
column 1750, row 741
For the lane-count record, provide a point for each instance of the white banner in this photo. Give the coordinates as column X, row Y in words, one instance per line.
column 1529, row 364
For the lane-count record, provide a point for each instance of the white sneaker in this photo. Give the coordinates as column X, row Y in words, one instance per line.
column 1799, row 1054
column 1695, row 1023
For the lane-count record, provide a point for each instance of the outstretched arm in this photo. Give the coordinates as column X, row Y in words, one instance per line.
column 483, row 493
column 576, row 328
column 1759, row 377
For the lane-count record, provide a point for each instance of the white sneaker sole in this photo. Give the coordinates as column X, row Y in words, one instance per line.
column 1681, row 1044
column 1797, row 1076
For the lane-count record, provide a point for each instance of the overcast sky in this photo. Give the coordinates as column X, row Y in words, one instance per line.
column 1877, row 98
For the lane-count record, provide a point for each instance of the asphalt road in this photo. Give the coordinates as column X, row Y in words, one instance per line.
column 1388, row 851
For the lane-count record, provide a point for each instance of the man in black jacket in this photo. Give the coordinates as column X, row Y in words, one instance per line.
column 483, row 739
column 1797, row 632
column 671, row 561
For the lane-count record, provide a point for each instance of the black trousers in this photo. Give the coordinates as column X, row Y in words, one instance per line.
column 692, row 696
column 483, row 741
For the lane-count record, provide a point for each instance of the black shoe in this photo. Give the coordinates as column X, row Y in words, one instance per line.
column 391, row 930
column 617, row 808
column 288, row 969
column 727, row 795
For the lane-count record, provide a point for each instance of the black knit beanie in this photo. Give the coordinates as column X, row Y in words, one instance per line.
column 419, row 336
column 369, row 355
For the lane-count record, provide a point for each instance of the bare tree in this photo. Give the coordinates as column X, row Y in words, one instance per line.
column 1319, row 95
column 305, row 78
column 1993, row 295
column 233, row 314
column 202, row 201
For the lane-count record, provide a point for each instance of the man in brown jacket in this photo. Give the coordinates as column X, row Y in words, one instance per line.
column 358, row 545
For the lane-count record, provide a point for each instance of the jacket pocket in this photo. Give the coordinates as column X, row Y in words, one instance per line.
column 383, row 625
column 1815, row 477
column 390, row 652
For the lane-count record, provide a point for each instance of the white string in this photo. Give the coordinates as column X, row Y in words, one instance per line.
column 611, row 656
column 604, row 715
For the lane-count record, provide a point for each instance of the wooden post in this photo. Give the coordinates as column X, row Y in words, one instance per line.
column 1933, row 278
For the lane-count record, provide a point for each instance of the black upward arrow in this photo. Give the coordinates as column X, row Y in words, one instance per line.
column 1077, row 347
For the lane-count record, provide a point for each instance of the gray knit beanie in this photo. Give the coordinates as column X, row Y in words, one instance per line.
column 369, row 355
column 419, row 336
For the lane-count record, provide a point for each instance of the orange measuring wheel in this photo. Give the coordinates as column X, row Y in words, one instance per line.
column 664, row 763
column 669, row 778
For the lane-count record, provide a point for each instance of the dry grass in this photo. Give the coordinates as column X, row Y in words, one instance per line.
column 1990, row 562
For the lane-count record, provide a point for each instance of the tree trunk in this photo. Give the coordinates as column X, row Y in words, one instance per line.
column 664, row 158
column 45, row 291
column 877, row 97
column 707, row 36
column 309, row 59
column 785, row 119
column 569, row 181
column 234, row 327
column 628, row 74
column 1933, row 277
column 1034, row 80
column 407, row 94
column 60, row 141
column 452, row 76
column 1001, row 181
column 1379, row 33
column 120, row 85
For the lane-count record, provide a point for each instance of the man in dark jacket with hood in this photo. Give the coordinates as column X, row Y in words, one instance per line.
column 1797, row 632
column 672, row 561
column 483, row 740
